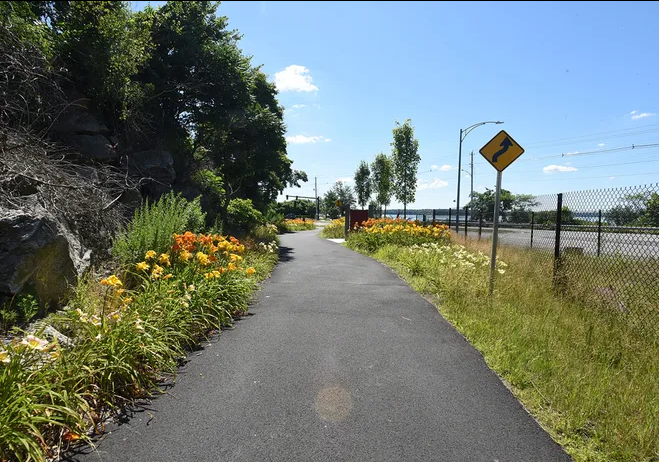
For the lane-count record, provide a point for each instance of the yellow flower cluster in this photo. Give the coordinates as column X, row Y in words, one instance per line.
column 112, row 281
column 410, row 228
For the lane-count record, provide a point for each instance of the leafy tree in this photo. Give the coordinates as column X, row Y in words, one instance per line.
column 298, row 207
column 382, row 174
column 630, row 211
column 548, row 217
column 513, row 208
column 330, row 209
column 363, row 184
column 623, row 215
column 405, row 160
column 342, row 192
column 651, row 215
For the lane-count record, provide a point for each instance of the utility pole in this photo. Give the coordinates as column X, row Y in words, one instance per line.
column 471, row 197
column 315, row 190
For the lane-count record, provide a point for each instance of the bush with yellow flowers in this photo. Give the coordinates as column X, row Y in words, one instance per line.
column 335, row 230
column 374, row 233
column 296, row 224
column 125, row 334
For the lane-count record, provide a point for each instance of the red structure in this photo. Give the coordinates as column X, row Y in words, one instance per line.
column 357, row 217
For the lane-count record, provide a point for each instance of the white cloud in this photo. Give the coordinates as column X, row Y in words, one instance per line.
column 301, row 139
column 433, row 168
column 612, row 178
column 434, row 184
column 572, row 153
column 299, row 106
column 601, row 145
column 445, row 168
column 642, row 115
column 558, row 168
column 345, row 179
column 294, row 78
column 633, row 112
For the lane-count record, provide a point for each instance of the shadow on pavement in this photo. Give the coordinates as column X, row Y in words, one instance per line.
column 286, row 254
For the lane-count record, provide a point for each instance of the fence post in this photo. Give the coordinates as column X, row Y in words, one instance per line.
column 347, row 223
column 532, row 223
column 599, row 233
column 449, row 217
column 433, row 216
column 466, row 210
column 480, row 226
column 557, row 239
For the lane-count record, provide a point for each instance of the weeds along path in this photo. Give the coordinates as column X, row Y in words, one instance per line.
column 341, row 360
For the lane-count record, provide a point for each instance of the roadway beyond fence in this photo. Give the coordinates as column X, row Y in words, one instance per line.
column 341, row 361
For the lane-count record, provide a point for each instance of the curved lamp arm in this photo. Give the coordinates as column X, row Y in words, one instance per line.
column 466, row 131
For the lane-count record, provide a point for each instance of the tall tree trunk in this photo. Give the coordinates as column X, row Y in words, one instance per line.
column 405, row 210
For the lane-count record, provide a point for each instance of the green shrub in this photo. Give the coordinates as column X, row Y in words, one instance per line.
column 265, row 233
column 242, row 217
column 20, row 309
column 154, row 225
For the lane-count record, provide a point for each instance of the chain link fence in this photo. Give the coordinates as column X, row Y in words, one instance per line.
column 602, row 245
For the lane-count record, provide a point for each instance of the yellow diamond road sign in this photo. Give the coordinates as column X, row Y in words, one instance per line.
column 501, row 151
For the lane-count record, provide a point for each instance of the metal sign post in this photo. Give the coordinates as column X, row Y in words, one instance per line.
column 495, row 232
column 500, row 152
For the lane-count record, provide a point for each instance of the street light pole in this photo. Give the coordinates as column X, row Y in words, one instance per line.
column 463, row 135
column 457, row 204
column 471, row 196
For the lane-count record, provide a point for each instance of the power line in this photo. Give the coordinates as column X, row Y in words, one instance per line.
column 585, row 138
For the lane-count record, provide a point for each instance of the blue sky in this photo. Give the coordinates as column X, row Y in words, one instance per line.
column 567, row 78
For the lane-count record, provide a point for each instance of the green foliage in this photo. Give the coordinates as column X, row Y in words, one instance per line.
column 548, row 217
column 171, row 78
column 382, row 170
column 20, row 309
column 405, row 160
column 341, row 192
column 651, row 215
column 329, row 207
column 513, row 207
column 154, row 224
column 300, row 207
column 242, row 217
column 265, row 233
column 363, row 184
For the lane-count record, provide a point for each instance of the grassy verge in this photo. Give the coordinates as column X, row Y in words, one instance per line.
column 588, row 378
column 120, row 338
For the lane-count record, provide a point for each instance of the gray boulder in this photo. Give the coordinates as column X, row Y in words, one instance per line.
column 95, row 146
column 39, row 254
column 156, row 166
column 80, row 123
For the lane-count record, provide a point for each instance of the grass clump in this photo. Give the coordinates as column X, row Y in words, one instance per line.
column 154, row 224
column 582, row 371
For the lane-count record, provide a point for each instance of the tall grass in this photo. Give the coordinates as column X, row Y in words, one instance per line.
column 154, row 225
column 587, row 376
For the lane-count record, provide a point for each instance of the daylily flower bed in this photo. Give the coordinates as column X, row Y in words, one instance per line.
column 124, row 335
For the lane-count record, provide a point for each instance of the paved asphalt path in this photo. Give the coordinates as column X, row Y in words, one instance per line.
column 340, row 361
